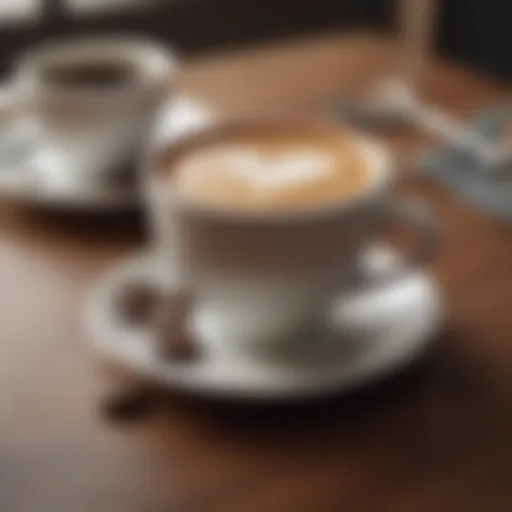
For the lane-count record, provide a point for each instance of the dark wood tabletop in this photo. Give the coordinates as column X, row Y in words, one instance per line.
column 436, row 438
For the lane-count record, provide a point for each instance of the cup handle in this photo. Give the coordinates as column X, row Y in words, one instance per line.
column 417, row 216
column 172, row 336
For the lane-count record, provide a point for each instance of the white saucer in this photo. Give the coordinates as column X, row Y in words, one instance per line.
column 380, row 331
column 33, row 174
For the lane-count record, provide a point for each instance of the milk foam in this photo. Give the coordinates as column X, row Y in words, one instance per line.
column 282, row 170
column 271, row 173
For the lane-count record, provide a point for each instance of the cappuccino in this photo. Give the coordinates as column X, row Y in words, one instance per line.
column 273, row 169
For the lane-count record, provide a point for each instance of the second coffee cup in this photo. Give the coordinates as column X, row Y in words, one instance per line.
column 94, row 100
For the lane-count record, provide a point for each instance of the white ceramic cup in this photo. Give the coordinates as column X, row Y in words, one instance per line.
column 261, row 280
column 96, row 130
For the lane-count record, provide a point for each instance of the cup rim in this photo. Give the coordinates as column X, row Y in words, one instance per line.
column 374, row 151
column 155, row 60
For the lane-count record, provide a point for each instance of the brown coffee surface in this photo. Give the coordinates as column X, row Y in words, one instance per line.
column 89, row 74
column 274, row 170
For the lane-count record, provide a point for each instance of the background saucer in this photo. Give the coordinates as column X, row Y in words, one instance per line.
column 33, row 174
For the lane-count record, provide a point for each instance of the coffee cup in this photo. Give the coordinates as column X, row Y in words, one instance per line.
column 263, row 267
column 94, row 100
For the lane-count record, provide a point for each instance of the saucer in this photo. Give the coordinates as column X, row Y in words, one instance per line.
column 378, row 332
column 33, row 174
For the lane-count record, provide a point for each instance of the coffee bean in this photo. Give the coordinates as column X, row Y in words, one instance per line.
column 137, row 302
column 169, row 324
column 127, row 406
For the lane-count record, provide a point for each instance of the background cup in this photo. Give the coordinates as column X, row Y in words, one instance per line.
column 260, row 280
column 96, row 131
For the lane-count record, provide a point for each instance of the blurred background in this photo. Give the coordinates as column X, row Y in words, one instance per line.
column 437, row 440
column 474, row 32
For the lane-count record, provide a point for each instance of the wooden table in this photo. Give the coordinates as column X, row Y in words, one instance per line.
column 436, row 439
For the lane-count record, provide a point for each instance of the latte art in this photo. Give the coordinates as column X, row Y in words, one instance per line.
column 278, row 171
column 275, row 173
column 263, row 171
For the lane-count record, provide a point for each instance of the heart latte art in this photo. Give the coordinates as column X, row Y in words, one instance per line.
column 277, row 173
